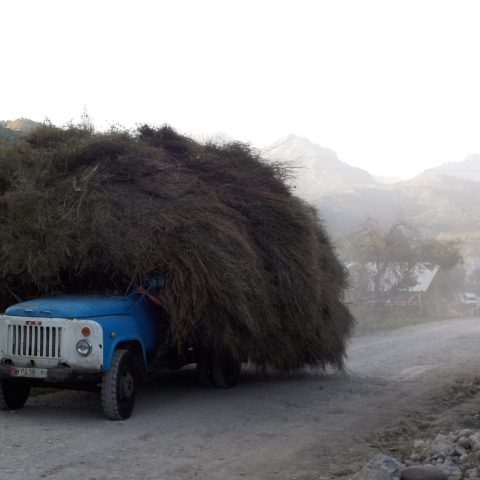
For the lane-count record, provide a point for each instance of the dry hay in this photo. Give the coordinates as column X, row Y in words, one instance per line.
column 249, row 265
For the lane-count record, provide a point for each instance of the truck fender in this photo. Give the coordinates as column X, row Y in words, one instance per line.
column 135, row 346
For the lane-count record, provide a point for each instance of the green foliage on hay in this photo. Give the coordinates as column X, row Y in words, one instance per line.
column 249, row 266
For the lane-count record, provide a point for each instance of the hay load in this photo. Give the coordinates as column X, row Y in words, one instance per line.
column 248, row 265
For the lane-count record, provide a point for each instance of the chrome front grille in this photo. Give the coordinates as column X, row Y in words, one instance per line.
column 34, row 341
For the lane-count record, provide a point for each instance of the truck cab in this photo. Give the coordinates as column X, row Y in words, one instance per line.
column 101, row 342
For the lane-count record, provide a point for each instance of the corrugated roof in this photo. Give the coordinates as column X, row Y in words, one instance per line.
column 424, row 277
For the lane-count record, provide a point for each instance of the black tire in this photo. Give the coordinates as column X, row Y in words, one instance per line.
column 13, row 394
column 119, row 386
column 204, row 370
column 225, row 370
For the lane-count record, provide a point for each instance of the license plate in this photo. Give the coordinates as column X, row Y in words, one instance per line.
column 29, row 372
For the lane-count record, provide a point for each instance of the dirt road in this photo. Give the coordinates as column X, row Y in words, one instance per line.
column 307, row 427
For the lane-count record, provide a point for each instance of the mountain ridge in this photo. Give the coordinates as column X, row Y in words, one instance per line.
column 468, row 168
column 316, row 168
column 12, row 130
column 436, row 200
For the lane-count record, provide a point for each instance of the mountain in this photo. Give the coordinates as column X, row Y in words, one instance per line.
column 445, row 203
column 468, row 169
column 317, row 170
column 433, row 202
column 387, row 180
column 445, row 199
column 11, row 130
column 7, row 135
column 20, row 124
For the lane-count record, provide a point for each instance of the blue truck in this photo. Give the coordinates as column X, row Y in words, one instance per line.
column 107, row 343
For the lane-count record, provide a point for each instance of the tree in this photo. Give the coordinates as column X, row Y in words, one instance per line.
column 385, row 259
column 386, row 263
column 442, row 252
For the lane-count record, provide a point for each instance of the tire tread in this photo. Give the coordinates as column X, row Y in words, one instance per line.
column 110, row 403
column 11, row 398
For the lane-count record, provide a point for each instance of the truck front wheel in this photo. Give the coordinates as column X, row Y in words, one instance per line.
column 13, row 394
column 119, row 386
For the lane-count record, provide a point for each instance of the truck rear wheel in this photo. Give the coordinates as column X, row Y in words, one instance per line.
column 219, row 370
column 204, row 370
column 13, row 394
column 225, row 370
column 119, row 386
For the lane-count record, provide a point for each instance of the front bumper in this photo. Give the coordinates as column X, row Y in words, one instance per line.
column 55, row 376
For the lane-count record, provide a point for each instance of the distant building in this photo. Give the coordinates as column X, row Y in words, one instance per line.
column 420, row 289
column 433, row 294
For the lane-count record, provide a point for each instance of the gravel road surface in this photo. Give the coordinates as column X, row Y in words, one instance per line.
column 305, row 427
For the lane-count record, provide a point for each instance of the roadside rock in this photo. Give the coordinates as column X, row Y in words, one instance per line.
column 419, row 443
column 451, row 470
column 457, row 454
column 475, row 441
column 442, row 445
column 459, row 451
column 472, row 473
column 464, row 442
column 423, row 473
column 380, row 467
column 451, row 456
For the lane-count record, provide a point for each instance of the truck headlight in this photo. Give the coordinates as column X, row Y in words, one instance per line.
column 84, row 347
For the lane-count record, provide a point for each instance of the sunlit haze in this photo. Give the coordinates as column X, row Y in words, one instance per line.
column 392, row 87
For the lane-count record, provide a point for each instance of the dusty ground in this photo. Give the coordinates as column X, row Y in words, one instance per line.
column 399, row 385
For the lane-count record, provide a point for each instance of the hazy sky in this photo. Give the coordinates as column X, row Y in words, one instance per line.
column 391, row 86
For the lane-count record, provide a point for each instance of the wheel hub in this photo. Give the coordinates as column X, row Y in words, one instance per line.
column 128, row 384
